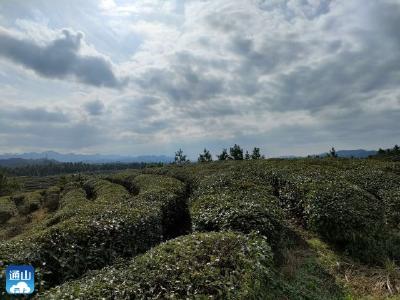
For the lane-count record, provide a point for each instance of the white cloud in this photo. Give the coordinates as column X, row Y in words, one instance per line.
column 209, row 72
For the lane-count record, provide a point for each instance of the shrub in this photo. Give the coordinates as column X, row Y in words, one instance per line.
column 199, row 266
column 98, row 231
column 373, row 180
column 125, row 179
column 243, row 212
column 391, row 199
column 73, row 200
column 51, row 198
column 7, row 209
column 28, row 202
column 349, row 217
column 239, row 202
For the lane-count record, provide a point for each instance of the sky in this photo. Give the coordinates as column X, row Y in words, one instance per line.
column 292, row 77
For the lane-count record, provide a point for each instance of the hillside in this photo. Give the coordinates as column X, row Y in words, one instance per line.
column 258, row 229
column 21, row 162
column 85, row 158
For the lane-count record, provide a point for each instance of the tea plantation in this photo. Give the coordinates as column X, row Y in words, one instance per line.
column 258, row 229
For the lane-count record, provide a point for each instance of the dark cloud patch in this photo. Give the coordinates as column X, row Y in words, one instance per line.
column 59, row 59
column 36, row 115
column 346, row 79
column 182, row 84
column 95, row 108
column 274, row 53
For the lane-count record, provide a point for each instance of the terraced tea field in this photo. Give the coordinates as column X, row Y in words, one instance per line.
column 263, row 229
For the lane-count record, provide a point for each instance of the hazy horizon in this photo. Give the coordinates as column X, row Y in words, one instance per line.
column 150, row 77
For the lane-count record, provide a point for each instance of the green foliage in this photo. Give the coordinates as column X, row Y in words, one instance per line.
column 108, row 220
column 224, row 155
column 180, row 158
column 126, row 180
column 392, row 154
column 199, row 266
column 307, row 271
column 7, row 209
column 88, row 234
column 343, row 201
column 256, row 153
column 51, row 198
column 28, row 202
column 332, row 153
column 348, row 217
column 54, row 168
column 231, row 201
column 205, row 156
column 3, row 183
column 236, row 152
column 7, row 186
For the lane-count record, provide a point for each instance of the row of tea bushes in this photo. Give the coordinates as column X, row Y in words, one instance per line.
column 353, row 204
column 7, row 209
column 17, row 211
column 91, row 233
column 356, row 209
column 199, row 266
column 234, row 201
column 26, row 203
column 125, row 179
column 348, row 217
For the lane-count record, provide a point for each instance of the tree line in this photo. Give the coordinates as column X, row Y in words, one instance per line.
column 235, row 153
column 54, row 168
column 390, row 153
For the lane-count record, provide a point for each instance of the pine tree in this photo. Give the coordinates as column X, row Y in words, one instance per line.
column 256, row 153
column 180, row 158
column 381, row 151
column 236, row 152
column 247, row 155
column 205, row 156
column 332, row 153
column 224, row 155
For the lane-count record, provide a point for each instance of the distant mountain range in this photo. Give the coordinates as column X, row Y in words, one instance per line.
column 39, row 158
column 359, row 153
column 36, row 158
column 21, row 162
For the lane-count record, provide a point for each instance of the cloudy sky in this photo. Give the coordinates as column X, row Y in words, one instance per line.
column 148, row 76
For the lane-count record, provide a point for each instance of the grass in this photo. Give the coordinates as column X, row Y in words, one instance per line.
column 316, row 271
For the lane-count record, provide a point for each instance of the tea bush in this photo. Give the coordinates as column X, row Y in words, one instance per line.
column 111, row 219
column 237, row 201
column 199, row 266
column 244, row 212
column 7, row 209
column 349, row 217
column 51, row 198
column 391, row 199
column 90, row 233
column 28, row 202
column 125, row 179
